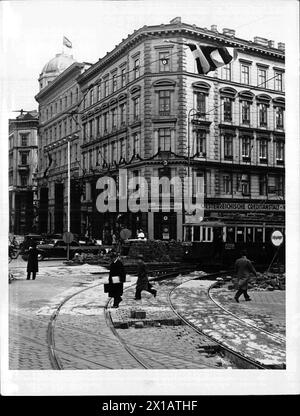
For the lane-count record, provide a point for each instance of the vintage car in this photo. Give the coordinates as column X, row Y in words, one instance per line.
column 57, row 248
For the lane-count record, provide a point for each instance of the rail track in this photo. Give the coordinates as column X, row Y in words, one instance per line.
column 129, row 347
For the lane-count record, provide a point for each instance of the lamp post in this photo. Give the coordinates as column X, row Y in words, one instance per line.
column 189, row 152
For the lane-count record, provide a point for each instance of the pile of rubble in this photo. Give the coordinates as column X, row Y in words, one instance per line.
column 263, row 281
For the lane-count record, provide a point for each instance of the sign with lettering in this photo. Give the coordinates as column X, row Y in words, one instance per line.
column 277, row 238
column 244, row 206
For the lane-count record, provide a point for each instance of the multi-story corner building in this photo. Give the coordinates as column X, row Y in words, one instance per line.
column 147, row 110
column 22, row 171
column 59, row 124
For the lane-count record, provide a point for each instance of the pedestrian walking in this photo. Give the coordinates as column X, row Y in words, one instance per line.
column 243, row 269
column 117, row 276
column 32, row 262
column 142, row 282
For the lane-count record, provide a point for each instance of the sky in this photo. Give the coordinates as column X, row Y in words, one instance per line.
column 32, row 31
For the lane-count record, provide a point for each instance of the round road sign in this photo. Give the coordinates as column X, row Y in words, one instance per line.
column 68, row 237
column 277, row 238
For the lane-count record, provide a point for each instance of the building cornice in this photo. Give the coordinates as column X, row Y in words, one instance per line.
column 181, row 30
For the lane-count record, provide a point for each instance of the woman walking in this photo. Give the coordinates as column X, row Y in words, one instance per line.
column 142, row 281
column 117, row 277
column 32, row 263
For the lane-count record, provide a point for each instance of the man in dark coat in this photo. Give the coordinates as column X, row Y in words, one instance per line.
column 142, row 282
column 116, row 271
column 243, row 269
column 32, row 262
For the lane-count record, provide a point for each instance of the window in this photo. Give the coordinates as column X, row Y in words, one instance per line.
column 71, row 98
column 201, row 142
column 91, row 128
column 98, row 125
column 263, row 149
column 263, row 185
column 105, row 152
column 245, row 184
column 136, row 69
column 136, row 143
column 227, row 184
column 24, row 158
column 92, row 96
column 279, row 111
column 24, row 180
column 60, row 104
column 65, row 128
column 24, row 139
column 66, row 101
column 136, row 107
column 227, row 72
column 262, row 78
column 114, row 151
column 246, row 147
column 84, row 126
column 201, row 103
column 114, row 83
column 245, row 112
column 227, row 103
column 228, row 146
column 245, row 74
column 123, row 148
column 123, row 77
column 70, row 124
column 279, row 185
column 279, row 150
column 114, row 118
column 263, row 115
column 164, row 139
column 164, row 102
column 106, row 90
column 122, row 113
column 99, row 92
column 278, row 81
column 164, row 61
column 105, row 121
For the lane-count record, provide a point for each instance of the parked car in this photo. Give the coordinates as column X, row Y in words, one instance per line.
column 57, row 248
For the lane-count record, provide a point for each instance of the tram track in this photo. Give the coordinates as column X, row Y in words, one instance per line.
column 54, row 352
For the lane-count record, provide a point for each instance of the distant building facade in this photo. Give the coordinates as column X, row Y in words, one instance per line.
column 59, row 95
column 144, row 108
column 22, row 151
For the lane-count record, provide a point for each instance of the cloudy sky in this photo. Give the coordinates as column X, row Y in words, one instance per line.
column 32, row 31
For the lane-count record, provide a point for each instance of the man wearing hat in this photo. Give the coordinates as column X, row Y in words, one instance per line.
column 142, row 282
column 243, row 269
column 117, row 277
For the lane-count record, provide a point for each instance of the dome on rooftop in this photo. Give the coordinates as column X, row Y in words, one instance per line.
column 58, row 64
column 55, row 67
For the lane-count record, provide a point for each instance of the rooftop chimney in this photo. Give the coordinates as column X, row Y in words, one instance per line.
column 214, row 28
column 176, row 20
column 281, row 46
column 228, row 32
column 271, row 43
column 261, row 41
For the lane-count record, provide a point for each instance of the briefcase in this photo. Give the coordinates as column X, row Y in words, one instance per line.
column 106, row 287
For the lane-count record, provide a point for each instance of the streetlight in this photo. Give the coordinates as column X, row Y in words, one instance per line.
column 196, row 112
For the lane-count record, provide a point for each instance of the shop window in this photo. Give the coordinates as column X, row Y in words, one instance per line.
column 230, row 235
column 240, row 235
column 259, row 235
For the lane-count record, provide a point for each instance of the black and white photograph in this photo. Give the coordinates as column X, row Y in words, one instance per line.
column 149, row 198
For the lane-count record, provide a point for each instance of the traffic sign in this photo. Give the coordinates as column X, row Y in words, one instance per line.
column 277, row 238
column 68, row 237
column 125, row 234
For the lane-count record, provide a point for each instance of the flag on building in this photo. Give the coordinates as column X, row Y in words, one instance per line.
column 66, row 42
column 49, row 164
column 208, row 58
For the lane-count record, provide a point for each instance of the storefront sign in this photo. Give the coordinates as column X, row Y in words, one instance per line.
column 244, row 206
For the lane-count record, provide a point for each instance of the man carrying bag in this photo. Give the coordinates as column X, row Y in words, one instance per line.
column 117, row 277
